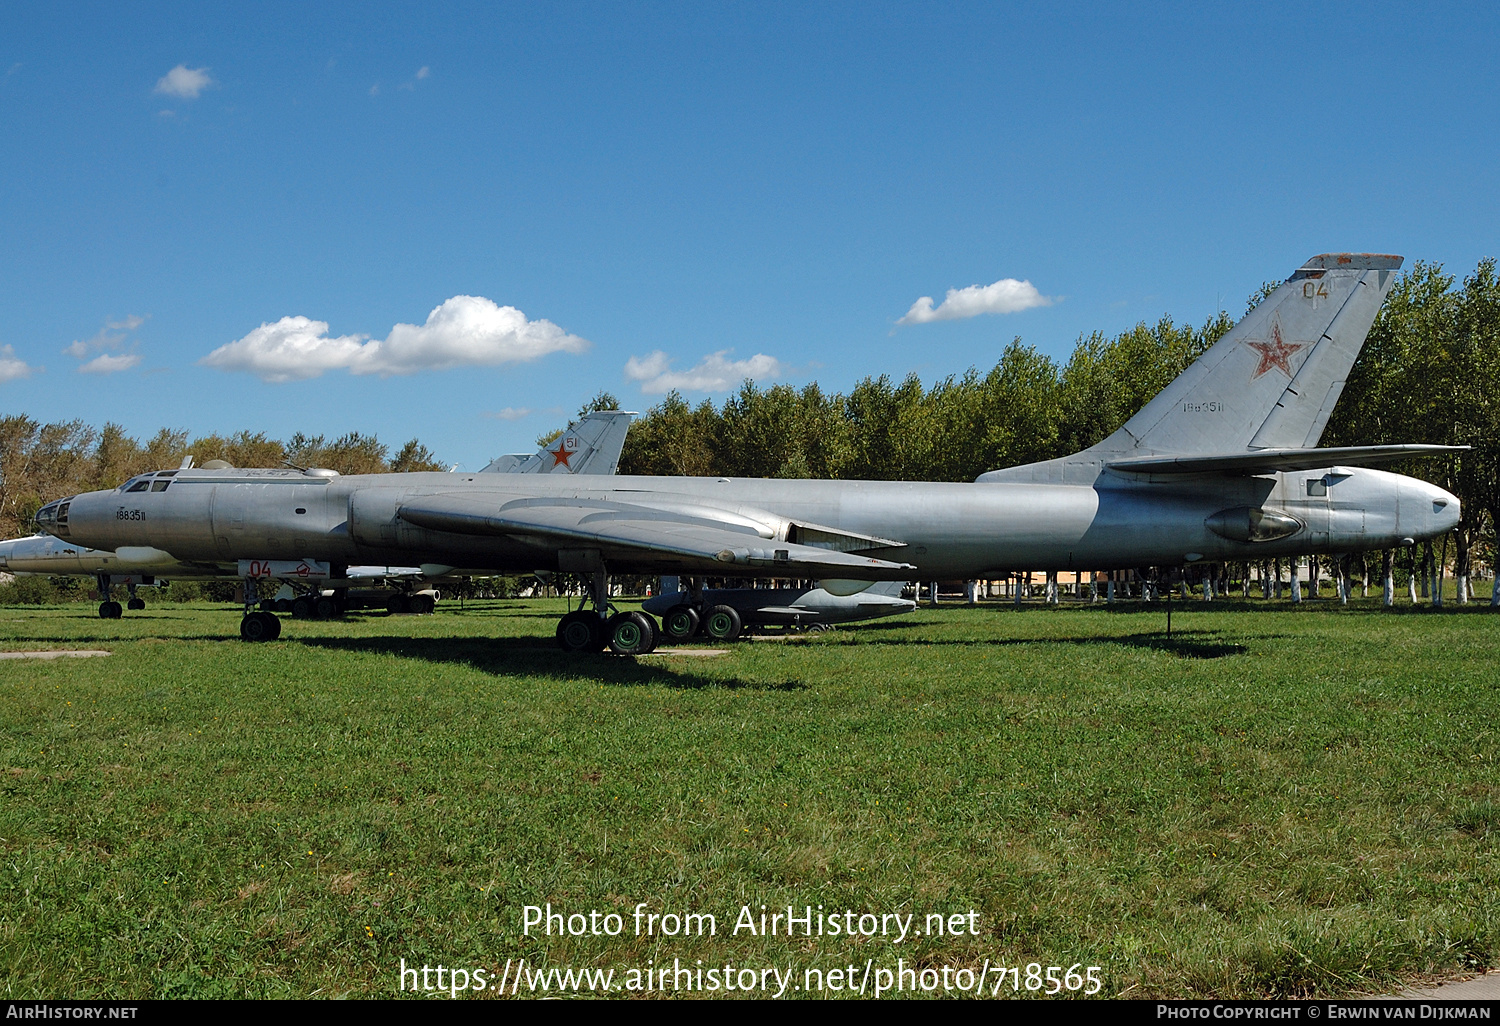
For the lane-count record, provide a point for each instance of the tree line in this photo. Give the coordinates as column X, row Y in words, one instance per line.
column 1429, row 372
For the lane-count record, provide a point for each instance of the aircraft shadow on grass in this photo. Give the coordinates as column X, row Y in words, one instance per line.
column 539, row 657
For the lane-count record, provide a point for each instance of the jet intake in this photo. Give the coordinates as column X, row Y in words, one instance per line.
column 1253, row 524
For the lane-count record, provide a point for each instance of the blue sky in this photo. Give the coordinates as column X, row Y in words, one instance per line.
column 647, row 185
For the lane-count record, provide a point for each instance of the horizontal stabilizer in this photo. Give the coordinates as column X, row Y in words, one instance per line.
column 1269, row 461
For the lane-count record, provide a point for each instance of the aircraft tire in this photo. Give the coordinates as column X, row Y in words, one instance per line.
column 283, row 606
column 136, row 603
column 260, row 627
column 109, row 610
column 630, row 633
column 325, row 608
column 581, row 631
column 423, row 605
column 302, row 608
column 397, row 604
column 722, row 623
column 680, row 623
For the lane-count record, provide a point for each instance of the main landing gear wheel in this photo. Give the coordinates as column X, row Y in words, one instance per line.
column 109, row 610
column 581, row 631
column 260, row 627
column 631, row 633
column 136, row 603
column 397, row 604
column 325, row 608
column 302, row 608
column 422, row 605
column 680, row 623
column 722, row 623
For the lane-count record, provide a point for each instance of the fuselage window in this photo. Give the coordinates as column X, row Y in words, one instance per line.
column 139, row 486
column 159, row 486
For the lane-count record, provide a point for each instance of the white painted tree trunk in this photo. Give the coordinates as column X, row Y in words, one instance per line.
column 1019, row 589
column 1109, row 592
column 971, row 592
column 1208, row 589
column 1296, row 585
column 1051, row 587
column 1495, row 590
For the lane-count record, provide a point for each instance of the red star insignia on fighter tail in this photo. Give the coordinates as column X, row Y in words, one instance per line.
column 561, row 455
column 1274, row 353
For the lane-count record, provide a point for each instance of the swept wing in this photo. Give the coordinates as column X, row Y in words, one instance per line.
column 657, row 524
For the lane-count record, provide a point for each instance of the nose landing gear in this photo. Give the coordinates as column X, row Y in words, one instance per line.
column 257, row 625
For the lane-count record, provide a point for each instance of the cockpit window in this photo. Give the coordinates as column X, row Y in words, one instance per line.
column 167, row 473
column 140, row 486
column 159, row 486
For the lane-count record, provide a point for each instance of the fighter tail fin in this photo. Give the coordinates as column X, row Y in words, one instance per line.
column 591, row 446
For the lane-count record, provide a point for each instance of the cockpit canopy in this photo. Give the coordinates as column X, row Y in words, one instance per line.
column 156, row 482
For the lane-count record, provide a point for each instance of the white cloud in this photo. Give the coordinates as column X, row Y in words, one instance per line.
column 465, row 331
column 106, row 363
column 1005, row 296
column 510, row 413
column 12, row 368
column 111, row 336
column 184, row 82
column 714, row 372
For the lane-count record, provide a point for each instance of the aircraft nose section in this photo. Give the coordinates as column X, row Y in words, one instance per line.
column 1446, row 512
column 53, row 517
column 1433, row 511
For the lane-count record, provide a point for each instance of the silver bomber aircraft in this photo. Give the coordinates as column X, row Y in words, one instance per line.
column 1221, row 465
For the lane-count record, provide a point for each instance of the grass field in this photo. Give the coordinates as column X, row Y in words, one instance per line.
column 1278, row 801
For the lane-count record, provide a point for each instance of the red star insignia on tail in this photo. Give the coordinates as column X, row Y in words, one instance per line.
column 561, row 455
column 1274, row 353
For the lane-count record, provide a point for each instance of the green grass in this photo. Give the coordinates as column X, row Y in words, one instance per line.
column 1278, row 801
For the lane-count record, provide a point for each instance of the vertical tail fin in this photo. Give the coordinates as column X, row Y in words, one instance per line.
column 591, row 446
column 1273, row 379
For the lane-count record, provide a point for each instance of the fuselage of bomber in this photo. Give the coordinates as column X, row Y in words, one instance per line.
column 958, row 530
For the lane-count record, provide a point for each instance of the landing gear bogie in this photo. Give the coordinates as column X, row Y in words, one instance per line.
column 581, row 631
column 109, row 610
column 631, row 633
